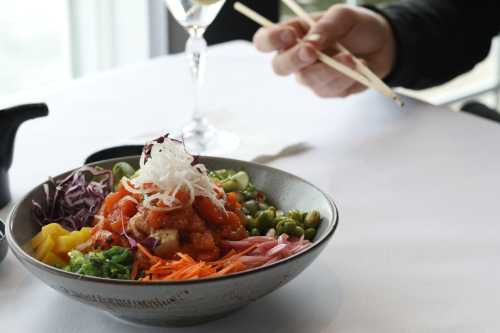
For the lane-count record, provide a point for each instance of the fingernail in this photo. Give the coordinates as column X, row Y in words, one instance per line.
column 313, row 38
column 306, row 54
column 346, row 59
column 287, row 37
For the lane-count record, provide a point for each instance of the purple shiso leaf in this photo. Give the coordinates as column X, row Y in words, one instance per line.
column 150, row 242
column 74, row 200
column 147, row 148
column 131, row 241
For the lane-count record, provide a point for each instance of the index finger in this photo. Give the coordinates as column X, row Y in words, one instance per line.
column 280, row 37
column 274, row 38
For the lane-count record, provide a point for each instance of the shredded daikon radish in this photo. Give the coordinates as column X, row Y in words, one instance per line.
column 169, row 167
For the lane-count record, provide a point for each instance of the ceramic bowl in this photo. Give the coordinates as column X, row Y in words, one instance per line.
column 3, row 242
column 185, row 302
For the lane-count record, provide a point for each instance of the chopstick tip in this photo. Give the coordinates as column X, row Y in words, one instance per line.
column 398, row 101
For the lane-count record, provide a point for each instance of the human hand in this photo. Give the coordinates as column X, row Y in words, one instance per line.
column 366, row 34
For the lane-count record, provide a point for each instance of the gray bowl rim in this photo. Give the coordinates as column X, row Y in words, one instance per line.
column 18, row 251
column 3, row 230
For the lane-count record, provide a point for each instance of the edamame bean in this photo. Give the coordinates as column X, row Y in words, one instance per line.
column 251, row 223
column 309, row 233
column 252, row 206
column 254, row 232
column 297, row 215
column 280, row 229
column 281, row 218
column 290, row 227
column 263, row 206
column 249, row 194
column 312, row 219
column 265, row 220
column 280, row 223
column 299, row 231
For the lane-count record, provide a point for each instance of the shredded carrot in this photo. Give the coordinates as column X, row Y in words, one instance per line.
column 228, row 255
column 235, row 266
column 247, row 250
column 187, row 268
column 147, row 254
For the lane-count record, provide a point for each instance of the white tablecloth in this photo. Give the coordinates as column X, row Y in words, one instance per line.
column 419, row 236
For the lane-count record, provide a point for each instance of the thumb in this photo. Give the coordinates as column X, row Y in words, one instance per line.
column 333, row 26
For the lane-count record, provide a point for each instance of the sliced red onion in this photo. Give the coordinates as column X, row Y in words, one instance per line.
column 276, row 250
column 273, row 260
column 253, row 261
column 236, row 245
column 299, row 248
column 271, row 233
column 268, row 250
column 262, row 248
column 259, row 239
column 283, row 239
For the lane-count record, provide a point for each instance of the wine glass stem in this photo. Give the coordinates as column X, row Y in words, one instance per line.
column 196, row 48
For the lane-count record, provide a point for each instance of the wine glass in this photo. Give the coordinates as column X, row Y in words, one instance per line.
column 195, row 16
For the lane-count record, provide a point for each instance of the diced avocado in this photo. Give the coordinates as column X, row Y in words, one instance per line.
column 242, row 179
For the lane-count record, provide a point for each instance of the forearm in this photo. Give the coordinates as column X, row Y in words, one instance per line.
column 436, row 40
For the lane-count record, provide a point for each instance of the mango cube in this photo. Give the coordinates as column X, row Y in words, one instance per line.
column 53, row 242
column 65, row 243
column 53, row 259
column 47, row 245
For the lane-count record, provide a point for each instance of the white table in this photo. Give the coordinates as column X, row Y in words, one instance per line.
column 419, row 236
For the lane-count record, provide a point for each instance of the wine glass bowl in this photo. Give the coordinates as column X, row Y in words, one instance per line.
column 195, row 15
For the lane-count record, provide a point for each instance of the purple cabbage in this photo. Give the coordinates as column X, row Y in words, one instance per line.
column 74, row 200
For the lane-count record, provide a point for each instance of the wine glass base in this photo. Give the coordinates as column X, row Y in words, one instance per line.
column 209, row 141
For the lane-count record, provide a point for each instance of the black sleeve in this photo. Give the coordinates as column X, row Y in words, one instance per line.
column 437, row 40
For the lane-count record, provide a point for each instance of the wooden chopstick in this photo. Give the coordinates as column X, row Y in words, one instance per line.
column 253, row 15
column 381, row 86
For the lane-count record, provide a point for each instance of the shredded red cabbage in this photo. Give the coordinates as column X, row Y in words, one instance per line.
column 74, row 200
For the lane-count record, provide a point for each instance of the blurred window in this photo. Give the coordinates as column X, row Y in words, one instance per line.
column 48, row 42
column 34, row 47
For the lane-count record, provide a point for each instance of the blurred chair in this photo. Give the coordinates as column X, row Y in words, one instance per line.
column 466, row 88
column 481, row 110
column 230, row 25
